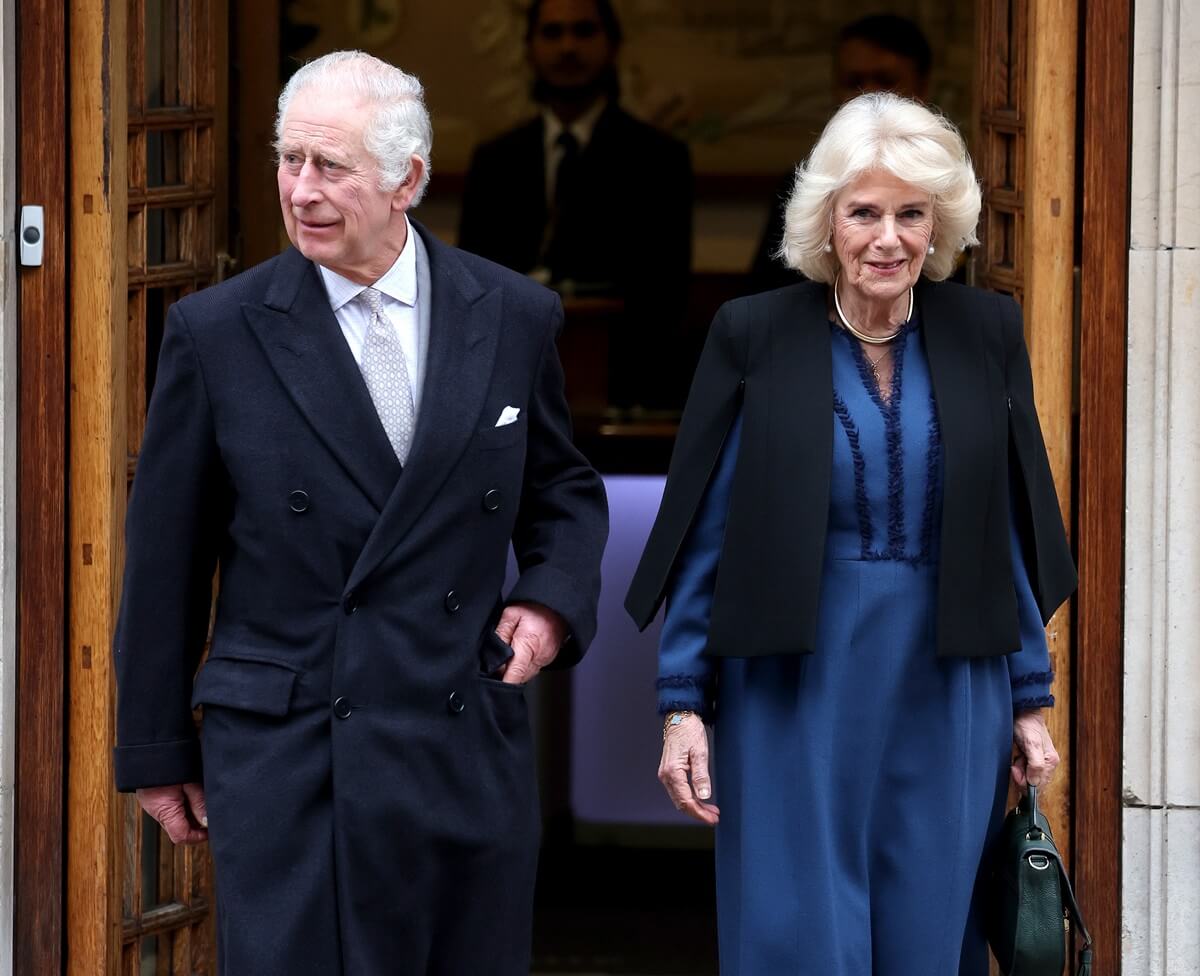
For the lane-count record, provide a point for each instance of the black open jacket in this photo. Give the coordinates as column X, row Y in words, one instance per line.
column 769, row 355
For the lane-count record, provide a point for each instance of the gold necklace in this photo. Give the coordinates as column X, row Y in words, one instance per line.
column 874, row 363
column 861, row 336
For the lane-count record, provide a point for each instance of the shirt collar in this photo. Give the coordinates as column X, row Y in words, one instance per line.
column 398, row 282
column 582, row 128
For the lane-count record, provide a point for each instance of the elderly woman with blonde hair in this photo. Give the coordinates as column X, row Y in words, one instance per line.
column 858, row 546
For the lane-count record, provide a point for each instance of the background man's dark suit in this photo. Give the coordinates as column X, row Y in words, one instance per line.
column 629, row 227
column 371, row 795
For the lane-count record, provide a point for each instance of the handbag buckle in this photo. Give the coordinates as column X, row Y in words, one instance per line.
column 1039, row 862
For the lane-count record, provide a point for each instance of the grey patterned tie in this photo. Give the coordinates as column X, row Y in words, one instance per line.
column 385, row 369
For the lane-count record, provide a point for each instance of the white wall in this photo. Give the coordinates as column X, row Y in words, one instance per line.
column 1161, row 857
column 8, row 469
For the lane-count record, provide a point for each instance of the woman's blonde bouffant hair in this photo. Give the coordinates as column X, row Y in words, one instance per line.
column 882, row 131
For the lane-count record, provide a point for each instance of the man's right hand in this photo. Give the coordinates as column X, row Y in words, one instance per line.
column 180, row 809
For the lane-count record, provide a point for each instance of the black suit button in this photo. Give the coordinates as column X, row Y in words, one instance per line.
column 298, row 501
column 350, row 603
column 341, row 708
column 452, row 602
column 455, row 703
column 491, row 501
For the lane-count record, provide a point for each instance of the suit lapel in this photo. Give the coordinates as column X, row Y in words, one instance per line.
column 464, row 330
column 304, row 345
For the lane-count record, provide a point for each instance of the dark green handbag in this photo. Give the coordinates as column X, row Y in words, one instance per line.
column 1033, row 907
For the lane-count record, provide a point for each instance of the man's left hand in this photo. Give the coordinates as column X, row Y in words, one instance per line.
column 535, row 633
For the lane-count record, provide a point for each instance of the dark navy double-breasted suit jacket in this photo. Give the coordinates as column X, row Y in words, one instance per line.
column 371, row 793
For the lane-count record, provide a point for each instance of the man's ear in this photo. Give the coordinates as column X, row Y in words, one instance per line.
column 402, row 196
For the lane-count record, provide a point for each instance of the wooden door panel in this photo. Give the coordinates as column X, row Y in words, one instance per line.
column 176, row 177
column 41, row 496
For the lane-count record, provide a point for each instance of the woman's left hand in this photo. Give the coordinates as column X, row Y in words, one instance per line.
column 1036, row 757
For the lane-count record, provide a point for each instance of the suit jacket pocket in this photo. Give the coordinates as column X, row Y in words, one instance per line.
column 252, row 686
column 494, row 653
column 491, row 438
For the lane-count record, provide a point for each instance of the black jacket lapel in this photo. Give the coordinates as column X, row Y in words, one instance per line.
column 464, row 329
column 304, row 344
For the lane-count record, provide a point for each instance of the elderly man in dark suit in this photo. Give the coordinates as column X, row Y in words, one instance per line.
column 353, row 433
column 588, row 198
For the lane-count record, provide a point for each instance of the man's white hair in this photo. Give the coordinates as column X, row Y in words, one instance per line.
column 398, row 126
column 882, row 131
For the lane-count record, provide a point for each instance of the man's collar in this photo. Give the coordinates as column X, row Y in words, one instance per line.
column 398, row 282
column 582, row 128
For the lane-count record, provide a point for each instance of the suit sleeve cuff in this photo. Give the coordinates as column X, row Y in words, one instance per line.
column 157, row 764
column 555, row 589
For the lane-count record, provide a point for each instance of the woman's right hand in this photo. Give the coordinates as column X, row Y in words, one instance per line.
column 683, row 769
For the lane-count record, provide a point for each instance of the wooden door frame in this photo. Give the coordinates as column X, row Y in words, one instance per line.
column 1106, row 107
column 41, row 494
column 43, row 121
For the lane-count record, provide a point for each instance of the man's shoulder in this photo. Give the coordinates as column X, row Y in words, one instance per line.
column 618, row 123
column 491, row 275
column 527, row 133
column 228, row 296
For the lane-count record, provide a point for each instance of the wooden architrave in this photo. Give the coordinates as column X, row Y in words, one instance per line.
column 256, row 29
column 97, row 195
column 1049, row 308
column 41, row 494
column 1104, row 285
column 1026, row 159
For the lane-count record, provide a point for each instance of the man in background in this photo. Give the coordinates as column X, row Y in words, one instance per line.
column 589, row 199
column 882, row 52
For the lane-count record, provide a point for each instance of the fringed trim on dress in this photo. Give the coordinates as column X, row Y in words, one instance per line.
column 861, row 507
column 890, row 411
column 700, row 702
column 933, row 460
column 895, row 453
column 1033, row 677
column 1042, row 701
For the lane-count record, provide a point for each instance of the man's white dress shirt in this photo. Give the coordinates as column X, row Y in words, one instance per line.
column 398, row 285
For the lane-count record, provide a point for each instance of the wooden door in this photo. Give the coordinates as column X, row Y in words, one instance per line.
column 1026, row 161
column 178, row 226
column 146, row 134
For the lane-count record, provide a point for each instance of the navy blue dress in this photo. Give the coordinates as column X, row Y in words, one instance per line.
column 858, row 785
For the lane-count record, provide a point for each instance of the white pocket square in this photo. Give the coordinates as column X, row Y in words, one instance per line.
column 508, row 416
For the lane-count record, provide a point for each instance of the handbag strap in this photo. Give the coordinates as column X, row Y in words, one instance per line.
column 1035, row 830
column 1085, row 954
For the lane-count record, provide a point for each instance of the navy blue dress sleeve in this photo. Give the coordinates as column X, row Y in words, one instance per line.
column 686, row 675
column 1029, row 666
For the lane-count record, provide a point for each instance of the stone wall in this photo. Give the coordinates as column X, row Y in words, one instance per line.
column 1161, row 858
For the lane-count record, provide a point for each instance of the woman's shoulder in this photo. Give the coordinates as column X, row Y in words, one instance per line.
column 970, row 307
column 955, row 294
column 754, row 311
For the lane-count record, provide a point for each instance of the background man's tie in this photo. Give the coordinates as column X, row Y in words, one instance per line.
column 559, row 256
column 385, row 369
